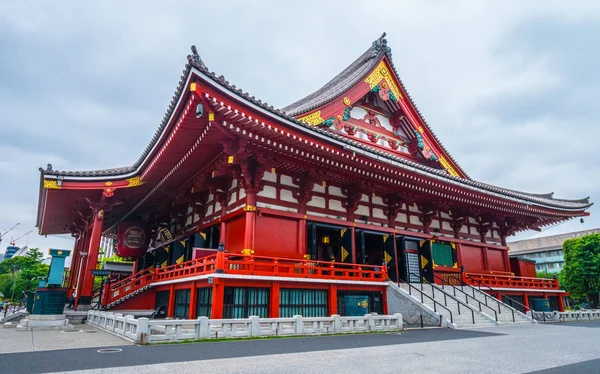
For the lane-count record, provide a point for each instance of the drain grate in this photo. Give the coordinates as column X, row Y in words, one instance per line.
column 110, row 350
column 71, row 331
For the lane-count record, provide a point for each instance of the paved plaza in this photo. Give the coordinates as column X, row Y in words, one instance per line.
column 551, row 348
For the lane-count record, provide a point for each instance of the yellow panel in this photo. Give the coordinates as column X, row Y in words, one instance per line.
column 424, row 262
column 313, row 118
column 388, row 258
column 344, row 254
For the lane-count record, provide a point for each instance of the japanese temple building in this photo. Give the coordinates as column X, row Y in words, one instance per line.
column 332, row 196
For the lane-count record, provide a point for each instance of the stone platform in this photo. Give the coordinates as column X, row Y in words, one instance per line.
column 45, row 322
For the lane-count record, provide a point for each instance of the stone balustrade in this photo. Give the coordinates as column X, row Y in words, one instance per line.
column 144, row 330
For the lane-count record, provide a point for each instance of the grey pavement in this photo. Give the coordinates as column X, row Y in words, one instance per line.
column 82, row 336
column 552, row 348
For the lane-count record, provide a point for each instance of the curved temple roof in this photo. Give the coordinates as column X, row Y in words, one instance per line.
column 334, row 88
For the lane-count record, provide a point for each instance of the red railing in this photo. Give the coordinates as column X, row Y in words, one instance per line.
column 282, row 267
column 248, row 265
column 506, row 281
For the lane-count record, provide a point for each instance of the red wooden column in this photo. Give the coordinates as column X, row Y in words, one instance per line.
column 193, row 297
column 74, row 268
column 353, row 244
column 81, row 265
column 171, row 306
column 274, row 302
column 526, row 302
column 561, row 303
column 333, row 301
column 92, row 255
column 250, row 210
column 218, row 293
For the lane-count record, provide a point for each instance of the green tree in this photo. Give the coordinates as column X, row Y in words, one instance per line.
column 582, row 267
column 21, row 273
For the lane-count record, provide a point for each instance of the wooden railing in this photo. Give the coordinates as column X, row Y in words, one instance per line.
column 246, row 265
column 282, row 267
column 506, row 281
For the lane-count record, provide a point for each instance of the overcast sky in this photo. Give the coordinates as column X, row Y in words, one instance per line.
column 510, row 87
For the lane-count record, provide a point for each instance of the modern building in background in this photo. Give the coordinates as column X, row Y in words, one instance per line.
column 547, row 252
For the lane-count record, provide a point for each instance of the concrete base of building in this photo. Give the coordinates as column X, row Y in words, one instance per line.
column 45, row 322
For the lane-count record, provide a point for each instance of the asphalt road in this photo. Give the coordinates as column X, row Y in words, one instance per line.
column 552, row 348
column 90, row 358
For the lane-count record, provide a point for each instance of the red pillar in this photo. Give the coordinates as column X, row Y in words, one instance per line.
column 218, row 293
column 92, row 256
column 193, row 296
column 526, row 302
column 499, row 296
column 81, row 265
column 353, row 245
column 561, row 303
column 171, row 306
column 333, row 305
column 250, row 219
column 274, row 302
column 74, row 268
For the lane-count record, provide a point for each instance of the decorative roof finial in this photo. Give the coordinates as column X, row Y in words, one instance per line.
column 381, row 45
column 49, row 167
column 195, row 58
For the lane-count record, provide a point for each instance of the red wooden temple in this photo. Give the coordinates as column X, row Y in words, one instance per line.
column 330, row 197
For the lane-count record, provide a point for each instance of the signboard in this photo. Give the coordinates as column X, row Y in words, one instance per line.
column 133, row 239
column 100, row 273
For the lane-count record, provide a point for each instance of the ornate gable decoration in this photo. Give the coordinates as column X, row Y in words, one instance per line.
column 381, row 77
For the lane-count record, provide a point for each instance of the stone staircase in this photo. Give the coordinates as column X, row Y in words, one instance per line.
column 463, row 307
column 462, row 315
column 128, row 296
column 507, row 315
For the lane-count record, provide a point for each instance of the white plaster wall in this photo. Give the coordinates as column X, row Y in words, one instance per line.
column 336, row 205
column 464, row 230
column 242, row 193
column 188, row 221
column 402, row 217
column 196, row 218
column 412, row 208
column 232, row 198
column 473, row 231
column 473, row 221
column 444, row 215
column 362, row 210
column 336, row 191
column 318, row 188
column 268, row 191
column 234, row 184
column 210, row 198
column 378, row 213
column 377, row 200
column 317, row 201
column 210, row 209
column 269, row 177
column 446, row 226
column 435, row 224
column 286, row 180
column 287, row 195
column 217, row 206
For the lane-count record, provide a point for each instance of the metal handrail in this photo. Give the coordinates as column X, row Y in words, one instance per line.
column 410, row 286
column 472, row 297
column 525, row 308
column 458, row 301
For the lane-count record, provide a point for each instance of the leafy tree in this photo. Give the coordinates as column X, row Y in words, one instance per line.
column 21, row 273
column 582, row 267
